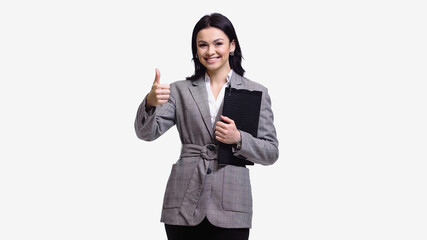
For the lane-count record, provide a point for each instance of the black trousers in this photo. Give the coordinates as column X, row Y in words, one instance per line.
column 205, row 231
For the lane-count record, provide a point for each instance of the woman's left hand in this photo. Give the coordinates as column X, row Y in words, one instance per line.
column 227, row 132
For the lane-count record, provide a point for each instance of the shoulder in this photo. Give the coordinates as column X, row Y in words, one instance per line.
column 182, row 84
column 249, row 84
column 180, row 89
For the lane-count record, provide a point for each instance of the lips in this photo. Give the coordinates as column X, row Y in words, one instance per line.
column 212, row 59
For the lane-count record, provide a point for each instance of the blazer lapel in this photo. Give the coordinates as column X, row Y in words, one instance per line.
column 200, row 96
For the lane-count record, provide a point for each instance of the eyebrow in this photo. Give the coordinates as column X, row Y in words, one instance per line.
column 216, row 40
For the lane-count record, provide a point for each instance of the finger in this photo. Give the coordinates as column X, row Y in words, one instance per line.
column 163, row 86
column 220, row 136
column 226, row 119
column 162, row 91
column 221, row 125
column 223, row 131
column 219, row 131
column 220, row 139
column 157, row 78
column 162, row 97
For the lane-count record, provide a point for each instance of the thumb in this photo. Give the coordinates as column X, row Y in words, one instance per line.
column 157, row 78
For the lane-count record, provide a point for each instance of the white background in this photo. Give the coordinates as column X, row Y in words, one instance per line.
column 348, row 86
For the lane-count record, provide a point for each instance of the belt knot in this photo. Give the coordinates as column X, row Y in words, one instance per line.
column 207, row 152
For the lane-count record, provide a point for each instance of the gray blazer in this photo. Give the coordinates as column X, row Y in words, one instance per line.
column 198, row 187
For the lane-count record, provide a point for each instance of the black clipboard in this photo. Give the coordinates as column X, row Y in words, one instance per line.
column 243, row 107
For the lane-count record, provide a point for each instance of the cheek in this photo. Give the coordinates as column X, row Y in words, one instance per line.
column 200, row 51
column 225, row 50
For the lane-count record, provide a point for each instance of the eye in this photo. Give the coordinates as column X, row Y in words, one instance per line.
column 219, row 43
column 202, row 45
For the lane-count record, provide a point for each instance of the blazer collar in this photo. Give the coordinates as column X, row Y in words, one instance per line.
column 200, row 96
column 236, row 81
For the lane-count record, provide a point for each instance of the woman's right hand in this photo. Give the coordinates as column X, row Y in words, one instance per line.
column 159, row 93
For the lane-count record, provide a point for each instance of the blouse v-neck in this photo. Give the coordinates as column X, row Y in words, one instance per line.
column 215, row 104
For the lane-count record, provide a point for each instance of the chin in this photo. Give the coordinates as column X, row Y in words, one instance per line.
column 213, row 67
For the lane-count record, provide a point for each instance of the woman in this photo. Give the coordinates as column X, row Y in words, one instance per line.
column 205, row 200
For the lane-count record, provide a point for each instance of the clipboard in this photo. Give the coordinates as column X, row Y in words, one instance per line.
column 243, row 106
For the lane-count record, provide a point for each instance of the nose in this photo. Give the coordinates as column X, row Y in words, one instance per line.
column 211, row 50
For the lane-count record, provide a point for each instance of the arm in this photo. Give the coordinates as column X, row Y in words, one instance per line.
column 156, row 113
column 263, row 149
column 151, row 124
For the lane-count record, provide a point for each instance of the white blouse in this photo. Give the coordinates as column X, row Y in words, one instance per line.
column 215, row 105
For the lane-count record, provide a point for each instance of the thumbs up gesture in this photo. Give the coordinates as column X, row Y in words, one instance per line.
column 159, row 93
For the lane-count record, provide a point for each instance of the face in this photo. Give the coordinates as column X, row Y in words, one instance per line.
column 213, row 49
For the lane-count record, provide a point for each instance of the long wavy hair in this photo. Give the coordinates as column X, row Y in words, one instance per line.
column 219, row 21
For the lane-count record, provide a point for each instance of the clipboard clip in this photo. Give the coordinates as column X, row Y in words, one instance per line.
column 229, row 88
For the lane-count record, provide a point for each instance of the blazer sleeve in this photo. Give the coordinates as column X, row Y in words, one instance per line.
column 263, row 149
column 152, row 124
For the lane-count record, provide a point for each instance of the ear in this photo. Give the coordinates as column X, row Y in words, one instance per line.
column 232, row 46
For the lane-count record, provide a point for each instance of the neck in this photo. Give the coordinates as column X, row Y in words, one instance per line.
column 219, row 76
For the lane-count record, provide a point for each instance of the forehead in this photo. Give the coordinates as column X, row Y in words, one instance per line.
column 211, row 34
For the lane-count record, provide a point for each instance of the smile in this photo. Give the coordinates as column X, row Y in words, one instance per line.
column 212, row 59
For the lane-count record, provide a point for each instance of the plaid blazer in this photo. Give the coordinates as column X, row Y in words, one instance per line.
column 197, row 186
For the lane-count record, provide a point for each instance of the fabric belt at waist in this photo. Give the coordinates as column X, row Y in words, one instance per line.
column 208, row 152
column 194, row 189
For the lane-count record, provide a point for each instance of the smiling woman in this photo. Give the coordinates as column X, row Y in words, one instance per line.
column 205, row 199
column 213, row 49
column 219, row 30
